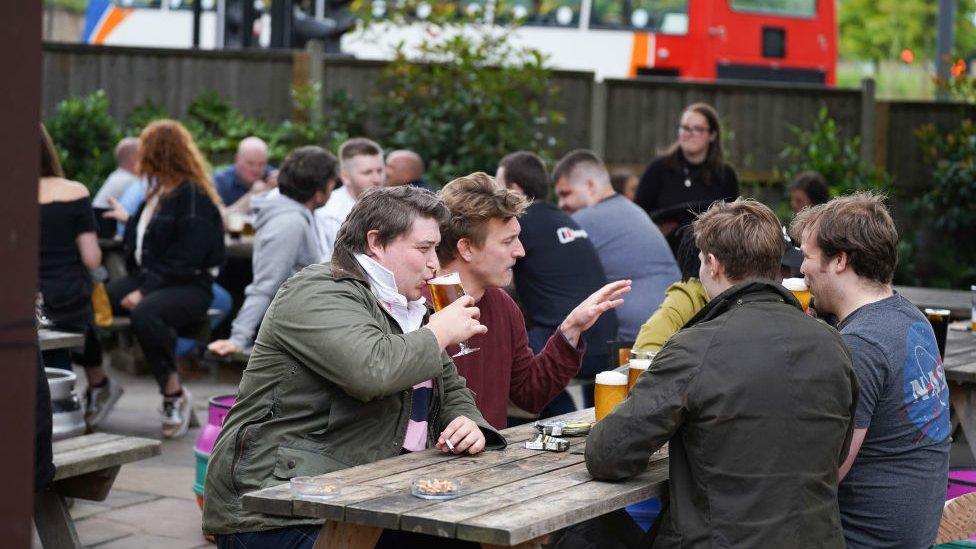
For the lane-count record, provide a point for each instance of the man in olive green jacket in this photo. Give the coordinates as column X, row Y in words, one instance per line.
column 755, row 397
column 331, row 380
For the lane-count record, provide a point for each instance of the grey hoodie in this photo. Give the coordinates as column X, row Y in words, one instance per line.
column 286, row 242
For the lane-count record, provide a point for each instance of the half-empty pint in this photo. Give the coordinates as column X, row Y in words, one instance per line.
column 609, row 391
column 445, row 289
column 636, row 367
column 799, row 288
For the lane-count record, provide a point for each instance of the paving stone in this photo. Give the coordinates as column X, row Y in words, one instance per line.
column 82, row 509
column 121, row 498
column 148, row 541
column 167, row 517
column 96, row 530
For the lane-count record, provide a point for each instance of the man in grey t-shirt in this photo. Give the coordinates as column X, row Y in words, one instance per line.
column 629, row 245
column 893, row 481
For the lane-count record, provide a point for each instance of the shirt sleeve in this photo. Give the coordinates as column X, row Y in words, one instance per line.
column 84, row 217
column 676, row 309
column 871, row 367
column 620, row 444
column 537, row 379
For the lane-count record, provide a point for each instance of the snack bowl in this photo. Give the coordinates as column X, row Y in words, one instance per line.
column 436, row 488
column 315, row 488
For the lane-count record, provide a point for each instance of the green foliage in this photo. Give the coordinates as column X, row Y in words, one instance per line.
column 949, row 205
column 875, row 30
column 462, row 100
column 85, row 136
column 823, row 149
column 141, row 116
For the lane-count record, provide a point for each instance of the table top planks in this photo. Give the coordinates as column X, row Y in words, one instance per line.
column 514, row 482
column 959, row 302
column 50, row 340
column 960, row 356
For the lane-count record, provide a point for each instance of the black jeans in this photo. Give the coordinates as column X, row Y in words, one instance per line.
column 157, row 319
column 297, row 537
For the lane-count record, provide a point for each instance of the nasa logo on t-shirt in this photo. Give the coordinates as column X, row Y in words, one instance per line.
column 925, row 394
column 567, row 234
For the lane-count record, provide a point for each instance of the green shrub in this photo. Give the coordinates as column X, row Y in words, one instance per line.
column 949, row 205
column 463, row 100
column 85, row 136
column 821, row 148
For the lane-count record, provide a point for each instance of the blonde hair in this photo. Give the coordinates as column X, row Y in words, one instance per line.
column 168, row 156
column 474, row 200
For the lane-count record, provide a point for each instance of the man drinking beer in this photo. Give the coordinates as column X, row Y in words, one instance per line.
column 754, row 397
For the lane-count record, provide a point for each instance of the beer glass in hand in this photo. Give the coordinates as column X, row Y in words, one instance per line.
column 446, row 289
column 799, row 288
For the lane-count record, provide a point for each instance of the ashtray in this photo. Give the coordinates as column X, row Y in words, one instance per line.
column 436, row 488
column 315, row 488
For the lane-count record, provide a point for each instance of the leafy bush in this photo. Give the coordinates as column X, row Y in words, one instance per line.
column 949, row 205
column 85, row 136
column 823, row 149
column 462, row 100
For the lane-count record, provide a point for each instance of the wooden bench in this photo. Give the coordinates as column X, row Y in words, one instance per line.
column 85, row 468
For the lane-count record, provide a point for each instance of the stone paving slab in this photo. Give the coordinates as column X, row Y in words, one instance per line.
column 145, row 541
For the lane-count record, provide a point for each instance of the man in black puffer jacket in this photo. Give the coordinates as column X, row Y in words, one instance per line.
column 755, row 398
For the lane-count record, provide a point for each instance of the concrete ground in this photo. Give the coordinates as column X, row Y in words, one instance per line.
column 152, row 503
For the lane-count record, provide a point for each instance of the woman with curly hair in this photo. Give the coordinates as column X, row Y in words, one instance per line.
column 173, row 244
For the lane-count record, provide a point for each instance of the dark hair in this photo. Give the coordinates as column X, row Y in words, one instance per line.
column 359, row 146
column 814, row 185
column 305, row 171
column 528, row 171
column 715, row 159
column 619, row 179
column 745, row 236
column 858, row 225
column 390, row 211
column 50, row 164
column 473, row 201
column 687, row 253
column 574, row 159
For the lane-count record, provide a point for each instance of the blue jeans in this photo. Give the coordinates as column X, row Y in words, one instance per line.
column 296, row 537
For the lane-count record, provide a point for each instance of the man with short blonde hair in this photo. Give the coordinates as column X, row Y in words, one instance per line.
column 481, row 243
column 754, row 397
column 893, row 481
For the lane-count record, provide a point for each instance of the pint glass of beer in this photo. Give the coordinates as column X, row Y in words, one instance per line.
column 446, row 289
column 799, row 288
column 636, row 367
column 609, row 391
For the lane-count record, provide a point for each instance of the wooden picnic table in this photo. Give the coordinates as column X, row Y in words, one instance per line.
column 50, row 340
column 958, row 302
column 509, row 497
column 959, row 364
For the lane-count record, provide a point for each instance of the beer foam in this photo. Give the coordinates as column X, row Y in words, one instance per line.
column 449, row 278
column 795, row 284
column 611, row 378
column 639, row 363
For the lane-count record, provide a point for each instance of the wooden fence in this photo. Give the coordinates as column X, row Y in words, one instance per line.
column 626, row 121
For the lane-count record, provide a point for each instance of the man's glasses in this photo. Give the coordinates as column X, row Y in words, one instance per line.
column 693, row 130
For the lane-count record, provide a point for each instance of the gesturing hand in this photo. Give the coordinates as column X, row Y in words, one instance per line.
column 586, row 313
column 464, row 434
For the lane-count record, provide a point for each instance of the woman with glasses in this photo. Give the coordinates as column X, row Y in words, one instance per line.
column 689, row 175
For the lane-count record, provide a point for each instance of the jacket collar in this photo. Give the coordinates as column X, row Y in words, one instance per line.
column 745, row 292
column 345, row 266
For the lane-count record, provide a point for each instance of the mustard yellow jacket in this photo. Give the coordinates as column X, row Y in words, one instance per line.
column 682, row 300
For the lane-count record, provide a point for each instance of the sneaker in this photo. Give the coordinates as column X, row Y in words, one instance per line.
column 958, row 519
column 176, row 414
column 99, row 401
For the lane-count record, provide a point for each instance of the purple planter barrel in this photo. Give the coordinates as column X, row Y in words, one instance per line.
column 217, row 411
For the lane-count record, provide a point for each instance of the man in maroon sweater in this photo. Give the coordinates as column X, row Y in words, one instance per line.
column 480, row 242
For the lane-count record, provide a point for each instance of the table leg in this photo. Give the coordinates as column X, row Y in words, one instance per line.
column 964, row 403
column 342, row 535
column 53, row 521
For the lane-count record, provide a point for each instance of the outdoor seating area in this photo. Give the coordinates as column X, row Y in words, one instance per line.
column 576, row 274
